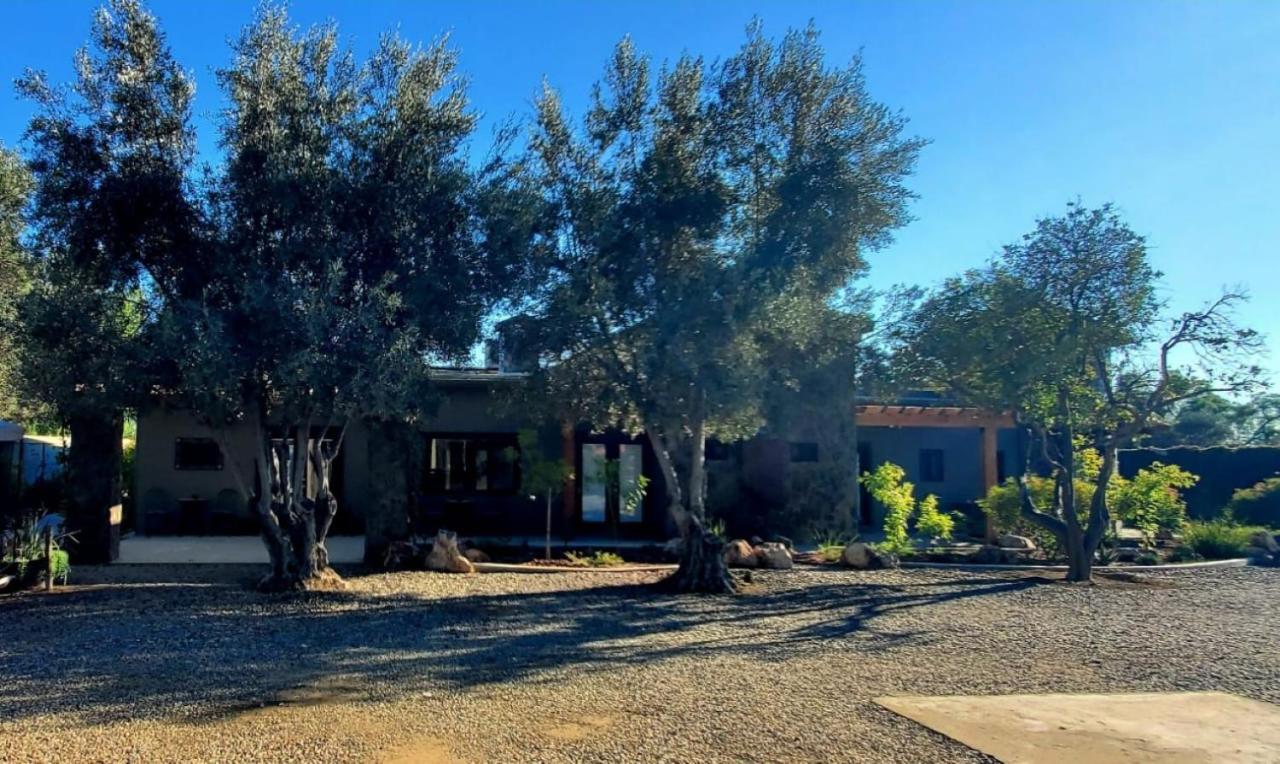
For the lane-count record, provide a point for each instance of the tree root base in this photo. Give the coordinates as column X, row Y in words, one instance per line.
column 325, row 580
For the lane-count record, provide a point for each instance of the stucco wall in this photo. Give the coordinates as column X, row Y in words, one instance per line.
column 962, row 457
column 159, row 486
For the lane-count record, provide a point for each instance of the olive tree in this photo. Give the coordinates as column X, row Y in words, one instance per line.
column 348, row 254
column 1066, row 330
column 112, row 226
column 695, row 210
column 15, row 188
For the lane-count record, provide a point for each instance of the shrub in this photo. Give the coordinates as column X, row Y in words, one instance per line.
column 1151, row 501
column 1257, row 505
column 595, row 560
column 831, row 544
column 1184, row 553
column 933, row 523
column 886, row 484
column 1218, row 539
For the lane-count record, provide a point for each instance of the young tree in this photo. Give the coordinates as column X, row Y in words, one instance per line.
column 111, row 225
column 348, row 254
column 1063, row 329
column 688, row 218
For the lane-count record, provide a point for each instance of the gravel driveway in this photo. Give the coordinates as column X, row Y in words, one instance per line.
column 184, row 664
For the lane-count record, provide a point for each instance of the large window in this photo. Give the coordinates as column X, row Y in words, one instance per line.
column 931, row 465
column 611, row 484
column 804, row 452
column 196, row 454
column 473, row 464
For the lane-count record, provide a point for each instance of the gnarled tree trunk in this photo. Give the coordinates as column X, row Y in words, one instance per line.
column 702, row 567
column 295, row 515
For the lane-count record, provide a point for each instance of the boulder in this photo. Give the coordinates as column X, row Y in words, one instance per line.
column 445, row 557
column 1010, row 541
column 774, row 556
column 993, row 555
column 475, row 555
column 739, row 554
column 1127, row 554
column 672, row 548
column 857, row 555
column 864, row 556
column 1265, row 541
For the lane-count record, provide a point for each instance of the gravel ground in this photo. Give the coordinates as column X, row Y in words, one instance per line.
column 184, row 664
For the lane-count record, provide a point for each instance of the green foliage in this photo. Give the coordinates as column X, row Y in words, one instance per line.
column 933, row 523
column 599, row 559
column 1151, row 502
column 690, row 240
column 1003, row 505
column 22, row 540
column 1258, row 504
column 1059, row 330
column 831, row 544
column 886, row 485
column 1218, row 539
column 540, row 476
column 15, row 188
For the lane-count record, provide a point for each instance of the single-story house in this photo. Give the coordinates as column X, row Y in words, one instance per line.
column 467, row 478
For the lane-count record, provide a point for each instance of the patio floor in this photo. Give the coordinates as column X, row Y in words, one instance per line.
column 176, row 550
column 1173, row 727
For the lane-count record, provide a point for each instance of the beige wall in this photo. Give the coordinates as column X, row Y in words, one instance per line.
column 159, row 486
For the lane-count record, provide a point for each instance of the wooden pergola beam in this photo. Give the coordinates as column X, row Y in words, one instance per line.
column 930, row 416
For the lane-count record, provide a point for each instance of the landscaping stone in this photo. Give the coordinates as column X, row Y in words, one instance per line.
column 993, row 555
column 774, row 556
column 475, row 555
column 857, row 555
column 864, row 556
column 1010, row 541
column 445, row 557
column 671, row 549
column 1264, row 540
column 739, row 554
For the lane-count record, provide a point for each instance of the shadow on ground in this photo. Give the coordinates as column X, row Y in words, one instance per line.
column 209, row 651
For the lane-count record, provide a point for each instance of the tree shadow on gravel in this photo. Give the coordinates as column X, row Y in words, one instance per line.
column 206, row 653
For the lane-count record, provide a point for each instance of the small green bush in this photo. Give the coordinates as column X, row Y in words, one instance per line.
column 1151, row 502
column 1218, row 539
column 886, row 484
column 596, row 560
column 933, row 523
column 831, row 544
column 1184, row 553
column 1258, row 504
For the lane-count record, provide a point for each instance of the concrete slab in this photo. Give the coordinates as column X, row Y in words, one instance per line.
column 178, row 550
column 1173, row 728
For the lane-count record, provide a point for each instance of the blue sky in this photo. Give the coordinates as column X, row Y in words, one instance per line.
column 1171, row 110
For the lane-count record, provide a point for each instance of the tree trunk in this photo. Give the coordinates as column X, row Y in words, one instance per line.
column 547, row 550
column 702, row 567
column 93, row 476
column 288, row 515
column 387, row 518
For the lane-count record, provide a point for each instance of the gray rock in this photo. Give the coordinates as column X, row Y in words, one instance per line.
column 774, row 556
column 1010, row 541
